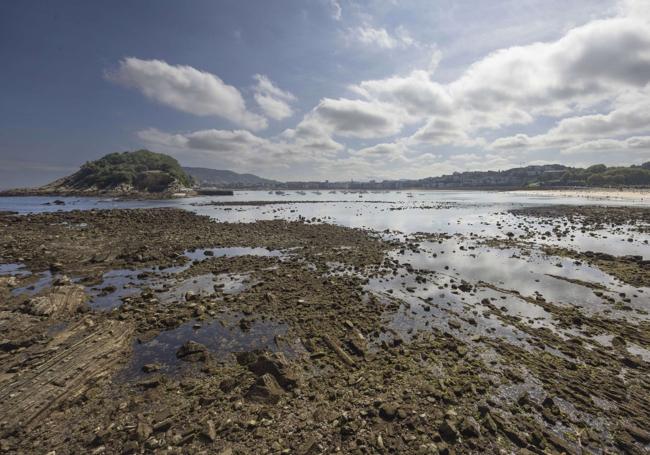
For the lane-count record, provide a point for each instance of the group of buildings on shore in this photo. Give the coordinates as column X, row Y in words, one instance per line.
column 518, row 177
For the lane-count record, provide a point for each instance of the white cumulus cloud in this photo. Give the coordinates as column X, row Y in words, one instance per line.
column 187, row 89
column 381, row 38
column 591, row 85
column 336, row 10
column 273, row 101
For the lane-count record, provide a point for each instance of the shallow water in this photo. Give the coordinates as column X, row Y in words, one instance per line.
column 123, row 283
column 428, row 283
column 221, row 337
column 462, row 212
column 13, row 270
column 116, row 285
column 42, row 281
column 205, row 285
column 514, row 269
column 200, row 254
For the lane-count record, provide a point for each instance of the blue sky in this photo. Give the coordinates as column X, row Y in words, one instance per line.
column 324, row 89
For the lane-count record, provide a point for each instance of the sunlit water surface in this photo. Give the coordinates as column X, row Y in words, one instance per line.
column 464, row 212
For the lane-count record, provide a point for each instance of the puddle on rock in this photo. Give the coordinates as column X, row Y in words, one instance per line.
column 118, row 284
column 207, row 284
column 463, row 289
column 14, row 269
column 200, row 254
column 221, row 337
column 557, row 280
column 462, row 316
column 41, row 282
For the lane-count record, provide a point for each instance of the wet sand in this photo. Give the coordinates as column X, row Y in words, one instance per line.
column 624, row 194
column 161, row 331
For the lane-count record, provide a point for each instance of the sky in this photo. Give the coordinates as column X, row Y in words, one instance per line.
column 324, row 89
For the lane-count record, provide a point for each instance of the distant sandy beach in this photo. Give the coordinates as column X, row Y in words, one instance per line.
column 626, row 194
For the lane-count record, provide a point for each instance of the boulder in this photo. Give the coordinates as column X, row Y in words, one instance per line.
column 388, row 411
column 277, row 366
column 265, row 390
column 61, row 301
column 448, row 431
column 470, row 428
column 191, row 351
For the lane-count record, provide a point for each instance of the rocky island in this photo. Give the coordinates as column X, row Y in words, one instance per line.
column 139, row 174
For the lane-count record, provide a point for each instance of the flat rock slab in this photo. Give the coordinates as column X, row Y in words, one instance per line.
column 61, row 301
column 84, row 352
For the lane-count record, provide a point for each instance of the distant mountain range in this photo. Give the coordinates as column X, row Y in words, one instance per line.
column 223, row 178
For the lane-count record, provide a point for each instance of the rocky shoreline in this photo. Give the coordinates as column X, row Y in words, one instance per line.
column 161, row 331
column 71, row 192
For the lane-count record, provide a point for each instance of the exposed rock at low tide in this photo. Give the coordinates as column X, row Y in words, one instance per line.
column 304, row 351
